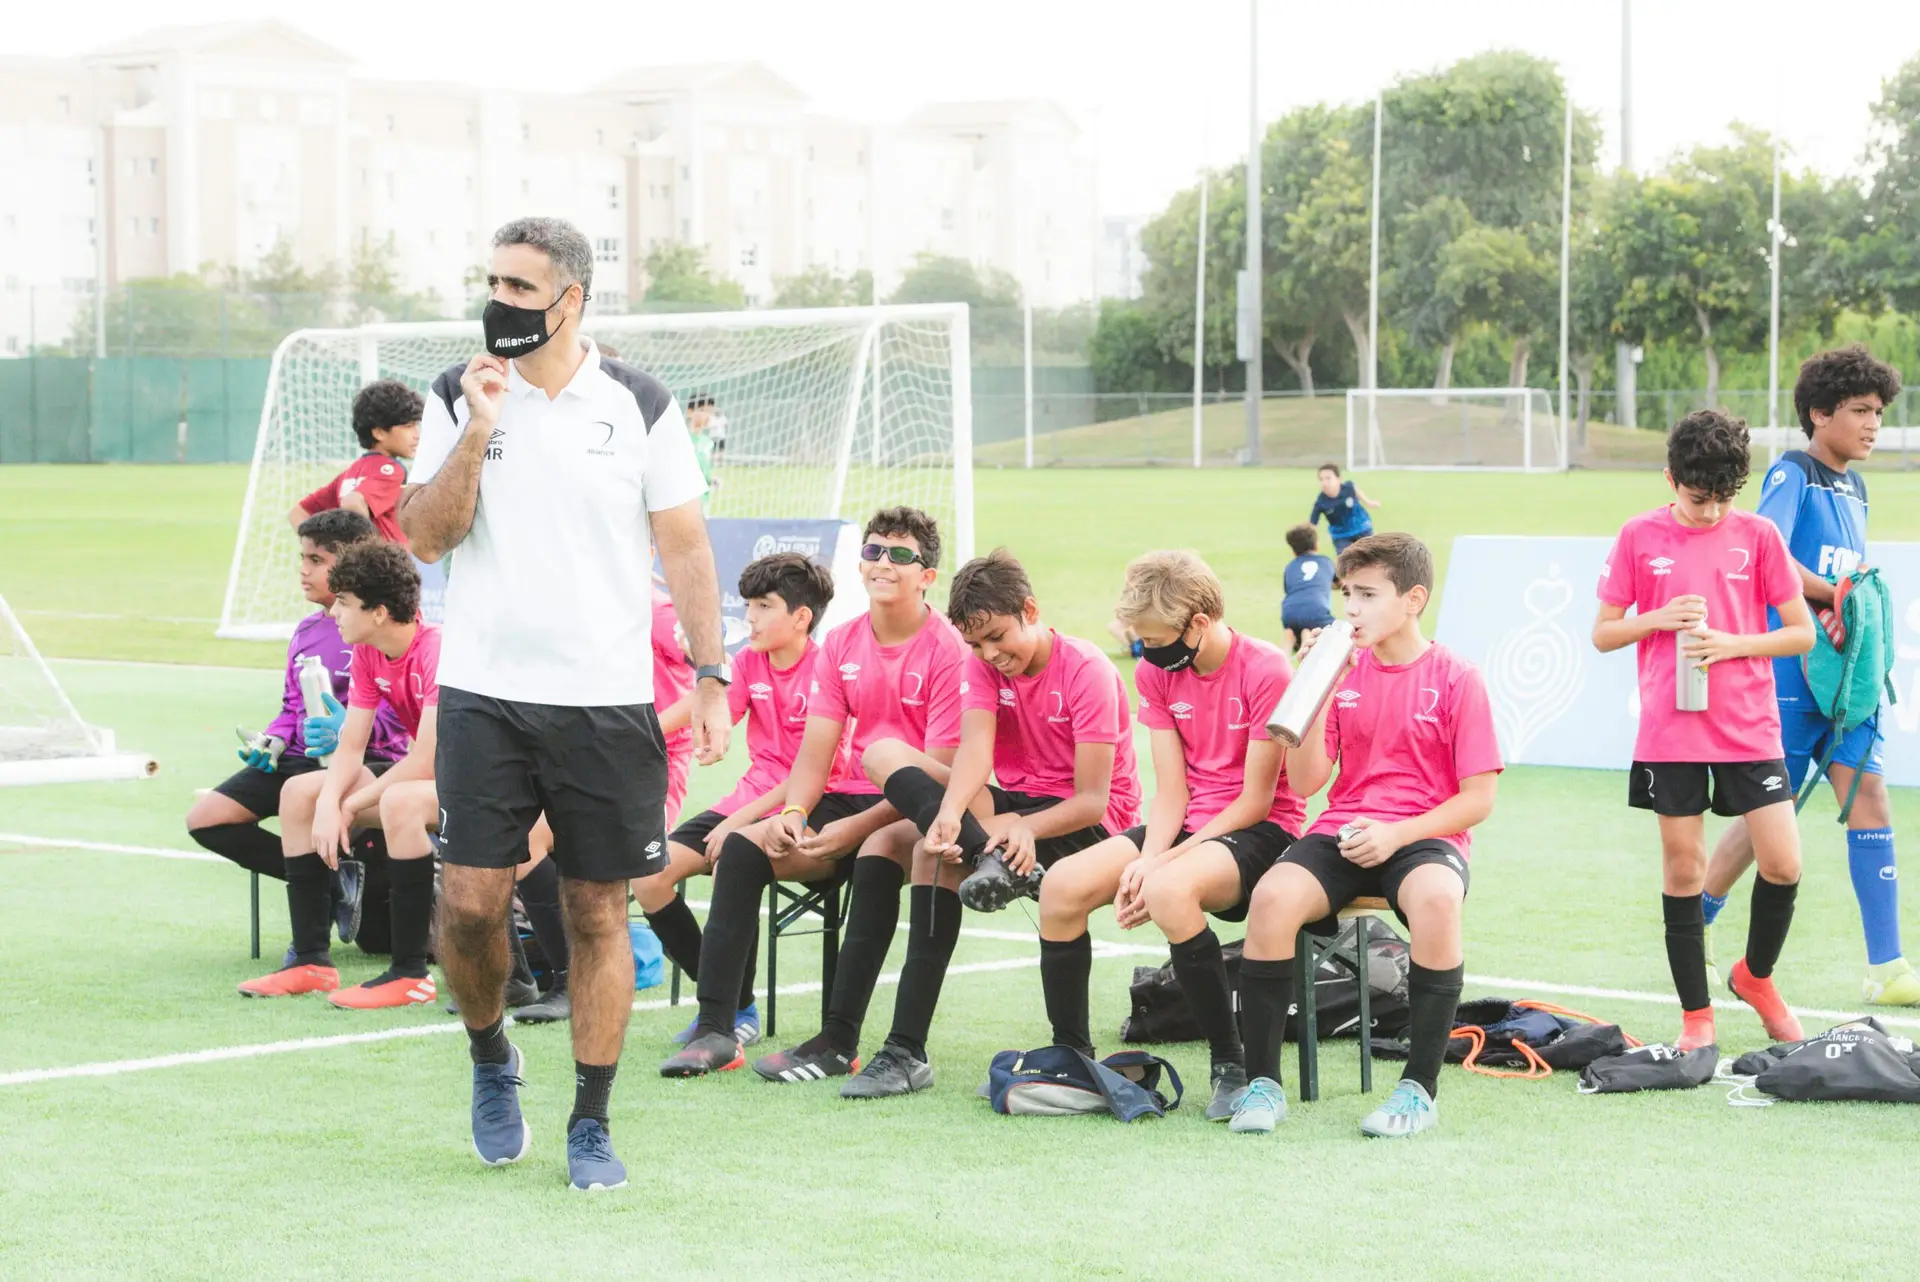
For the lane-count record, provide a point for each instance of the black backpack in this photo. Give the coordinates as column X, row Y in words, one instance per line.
column 1161, row 1014
column 1858, row 1060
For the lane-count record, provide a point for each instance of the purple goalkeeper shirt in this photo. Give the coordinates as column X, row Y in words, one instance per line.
column 319, row 634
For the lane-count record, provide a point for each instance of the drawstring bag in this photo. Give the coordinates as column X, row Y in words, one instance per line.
column 1059, row 1081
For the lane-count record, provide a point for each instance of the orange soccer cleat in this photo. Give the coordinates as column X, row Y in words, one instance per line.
column 292, row 982
column 386, row 990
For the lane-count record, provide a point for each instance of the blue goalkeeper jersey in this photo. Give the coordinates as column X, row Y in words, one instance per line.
column 1823, row 516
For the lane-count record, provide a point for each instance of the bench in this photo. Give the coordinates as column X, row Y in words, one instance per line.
column 1309, row 951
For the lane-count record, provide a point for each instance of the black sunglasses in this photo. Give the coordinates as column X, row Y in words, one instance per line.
column 894, row 553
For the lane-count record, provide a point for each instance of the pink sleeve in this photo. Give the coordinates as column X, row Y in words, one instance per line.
column 1096, row 708
column 1616, row 576
column 1476, row 746
column 943, row 699
column 980, row 690
column 829, row 694
column 429, row 667
column 363, row 693
column 1779, row 575
column 1149, row 682
column 1267, row 678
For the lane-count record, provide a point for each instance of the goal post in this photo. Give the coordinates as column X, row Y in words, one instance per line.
column 829, row 412
column 43, row 738
column 1510, row 429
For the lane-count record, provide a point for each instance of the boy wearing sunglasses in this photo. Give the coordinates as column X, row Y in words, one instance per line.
column 894, row 673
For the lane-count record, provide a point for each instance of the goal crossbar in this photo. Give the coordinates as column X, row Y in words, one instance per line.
column 1444, row 429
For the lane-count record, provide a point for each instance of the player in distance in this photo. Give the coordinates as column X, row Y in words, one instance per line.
column 386, row 420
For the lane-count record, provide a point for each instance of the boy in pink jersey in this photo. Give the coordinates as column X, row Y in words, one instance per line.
column 1047, row 716
column 893, row 673
column 672, row 682
column 1698, row 566
column 395, row 661
column 1221, row 813
column 786, row 595
column 1412, row 732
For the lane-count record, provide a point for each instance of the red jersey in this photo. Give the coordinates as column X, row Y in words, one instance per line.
column 409, row 685
column 377, row 479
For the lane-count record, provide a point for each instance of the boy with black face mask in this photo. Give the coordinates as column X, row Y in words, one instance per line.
column 1222, row 812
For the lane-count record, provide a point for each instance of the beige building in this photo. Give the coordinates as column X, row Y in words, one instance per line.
column 216, row 143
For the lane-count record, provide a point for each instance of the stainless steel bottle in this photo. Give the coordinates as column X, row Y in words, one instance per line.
column 1307, row 693
column 1689, row 674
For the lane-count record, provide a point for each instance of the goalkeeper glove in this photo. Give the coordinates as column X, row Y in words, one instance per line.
column 322, row 734
column 261, row 751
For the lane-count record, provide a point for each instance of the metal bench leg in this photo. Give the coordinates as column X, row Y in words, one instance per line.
column 253, row 892
column 1363, row 927
column 673, row 982
column 829, row 949
column 773, row 960
column 1307, row 1021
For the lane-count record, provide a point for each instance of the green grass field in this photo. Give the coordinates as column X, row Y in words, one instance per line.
column 257, row 1153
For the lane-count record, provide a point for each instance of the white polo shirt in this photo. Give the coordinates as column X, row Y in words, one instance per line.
column 550, row 595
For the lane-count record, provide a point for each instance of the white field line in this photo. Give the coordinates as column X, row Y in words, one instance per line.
column 111, row 618
column 57, row 660
column 107, row 847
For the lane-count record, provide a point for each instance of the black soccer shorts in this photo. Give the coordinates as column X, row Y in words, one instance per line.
column 1679, row 789
column 1345, row 881
column 1254, row 849
column 1047, row 851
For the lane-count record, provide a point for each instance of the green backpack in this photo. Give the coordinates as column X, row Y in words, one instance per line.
column 1848, row 683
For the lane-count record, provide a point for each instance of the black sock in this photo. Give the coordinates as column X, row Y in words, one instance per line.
column 1767, row 924
column 1065, row 965
column 518, row 967
column 748, row 975
column 913, row 792
column 249, row 845
column 933, row 932
column 540, row 896
column 489, row 1045
column 1432, row 998
column 411, row 896
column 872, row 915
column 1266, row 998
column 679, row 933
column 592, row 1084
column 1687, row 948
column 1202, row 973
column 309, row 909
column 740, row 878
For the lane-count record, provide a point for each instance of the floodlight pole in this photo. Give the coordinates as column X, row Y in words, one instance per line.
column 1255, row 376
column 1200, row 315
column 1373, row 290
column 1566, row 265
column 1776, row 236
column 1625, row 375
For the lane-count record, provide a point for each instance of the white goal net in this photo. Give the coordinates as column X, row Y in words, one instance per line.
column 1510, row 429
column 829, row 413
column 42, row 736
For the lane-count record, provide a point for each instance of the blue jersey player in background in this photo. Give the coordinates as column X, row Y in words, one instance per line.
column 1344, row 507
column 1820, row 506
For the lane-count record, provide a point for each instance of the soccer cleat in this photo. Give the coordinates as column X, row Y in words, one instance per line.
column 1696, row 1030
column 291, row 958
column 992, row 885
column 1229, row 1080
column 892, row 1071
column 386, row 990
column 707, row 1053
column 1891, row 984
column 1408, row 1111
column 746, row 1027
column 1261, row 1106
column 500, row 1134
column 1760, row 994
column 591, row 1165
column 811, row 1061
column 349, row 887
column 555, row 1008
column 293, row 981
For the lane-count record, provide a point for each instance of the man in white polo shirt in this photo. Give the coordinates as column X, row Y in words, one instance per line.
column 541, row 467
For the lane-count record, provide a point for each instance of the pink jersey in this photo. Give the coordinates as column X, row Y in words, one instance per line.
column 1404, row 736
column 1079, row 697
column 1216, row 715
column 1741, row 566
column 774, row 703
column 672, row 679
column 409, row 685
column 909, row 692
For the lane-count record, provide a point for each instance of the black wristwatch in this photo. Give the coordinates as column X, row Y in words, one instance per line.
column 721, row 672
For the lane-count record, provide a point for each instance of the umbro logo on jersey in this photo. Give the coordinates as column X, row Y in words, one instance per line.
column 496, row 444
column 1772, row 783
column 1182, row 711
column 849, row 670
column 1347, row 698
column 759, row 690
column 382, row 683
column 1006, row 698
column 653, row 847
column 1662, row 564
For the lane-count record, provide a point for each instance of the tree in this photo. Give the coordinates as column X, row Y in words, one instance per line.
column 1593, row 294
column 375, row 290
column 1327, row 244
column 1295, row 307
column 1410, row 290
column 992, row 295
column 822, row 287
column 678, row 273
column 1888, row 255
column 1124, row 350
column 1169, row 243
column 1498, row 276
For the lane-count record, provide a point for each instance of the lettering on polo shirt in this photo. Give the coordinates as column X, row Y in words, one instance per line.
column 496, row 447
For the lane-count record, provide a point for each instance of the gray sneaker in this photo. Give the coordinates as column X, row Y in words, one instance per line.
column 1408, row 1111
column 891, row 1071
column 992, row 885
column 1228, row 1081
column 1261, row 1107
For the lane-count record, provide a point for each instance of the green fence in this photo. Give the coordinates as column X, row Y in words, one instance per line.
column 130, row 409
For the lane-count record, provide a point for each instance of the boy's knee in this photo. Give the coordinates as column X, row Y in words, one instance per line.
column 1163, row 895
column 1276, row 903
column 882, row 758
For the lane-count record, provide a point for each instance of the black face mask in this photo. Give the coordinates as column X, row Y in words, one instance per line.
column 516, row 331
column 1172, row 657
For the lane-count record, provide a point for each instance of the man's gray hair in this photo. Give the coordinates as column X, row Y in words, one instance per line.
column 560, row 241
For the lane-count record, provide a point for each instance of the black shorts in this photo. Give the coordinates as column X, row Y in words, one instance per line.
column 1308, row 624
column 1047, row 851
column 599, row 774
column 693, row 833
column 1255, row 850
column 259, row 791
column 1679, row 789
column 1345, row 881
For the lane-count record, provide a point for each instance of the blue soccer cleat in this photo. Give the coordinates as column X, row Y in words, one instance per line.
column 746, row 1027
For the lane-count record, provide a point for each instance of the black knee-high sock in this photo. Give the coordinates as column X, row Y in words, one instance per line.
column 1065, row 965
column 934, row 931
column 309, row 909
column 540, row 896
column 1767, row 924
column 1202, row 972
column 411, row 897
column 914, row 794
column 872, row 915
column 740, row 878
column 1266, row 998
column 249, row 845
column 679, row 934
column 1432, row 998
column 1687, row 949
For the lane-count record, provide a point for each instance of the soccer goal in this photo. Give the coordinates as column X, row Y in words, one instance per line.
column 42, row 737
column 830, row 412
column 1511, row 429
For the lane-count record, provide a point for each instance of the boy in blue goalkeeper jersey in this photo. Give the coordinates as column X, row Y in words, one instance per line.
column 1344, row 507
column 1820, row 506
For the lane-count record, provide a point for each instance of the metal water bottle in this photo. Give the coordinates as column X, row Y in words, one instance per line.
column 1311, row 686
column 1689, row 674
column 315, row 685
